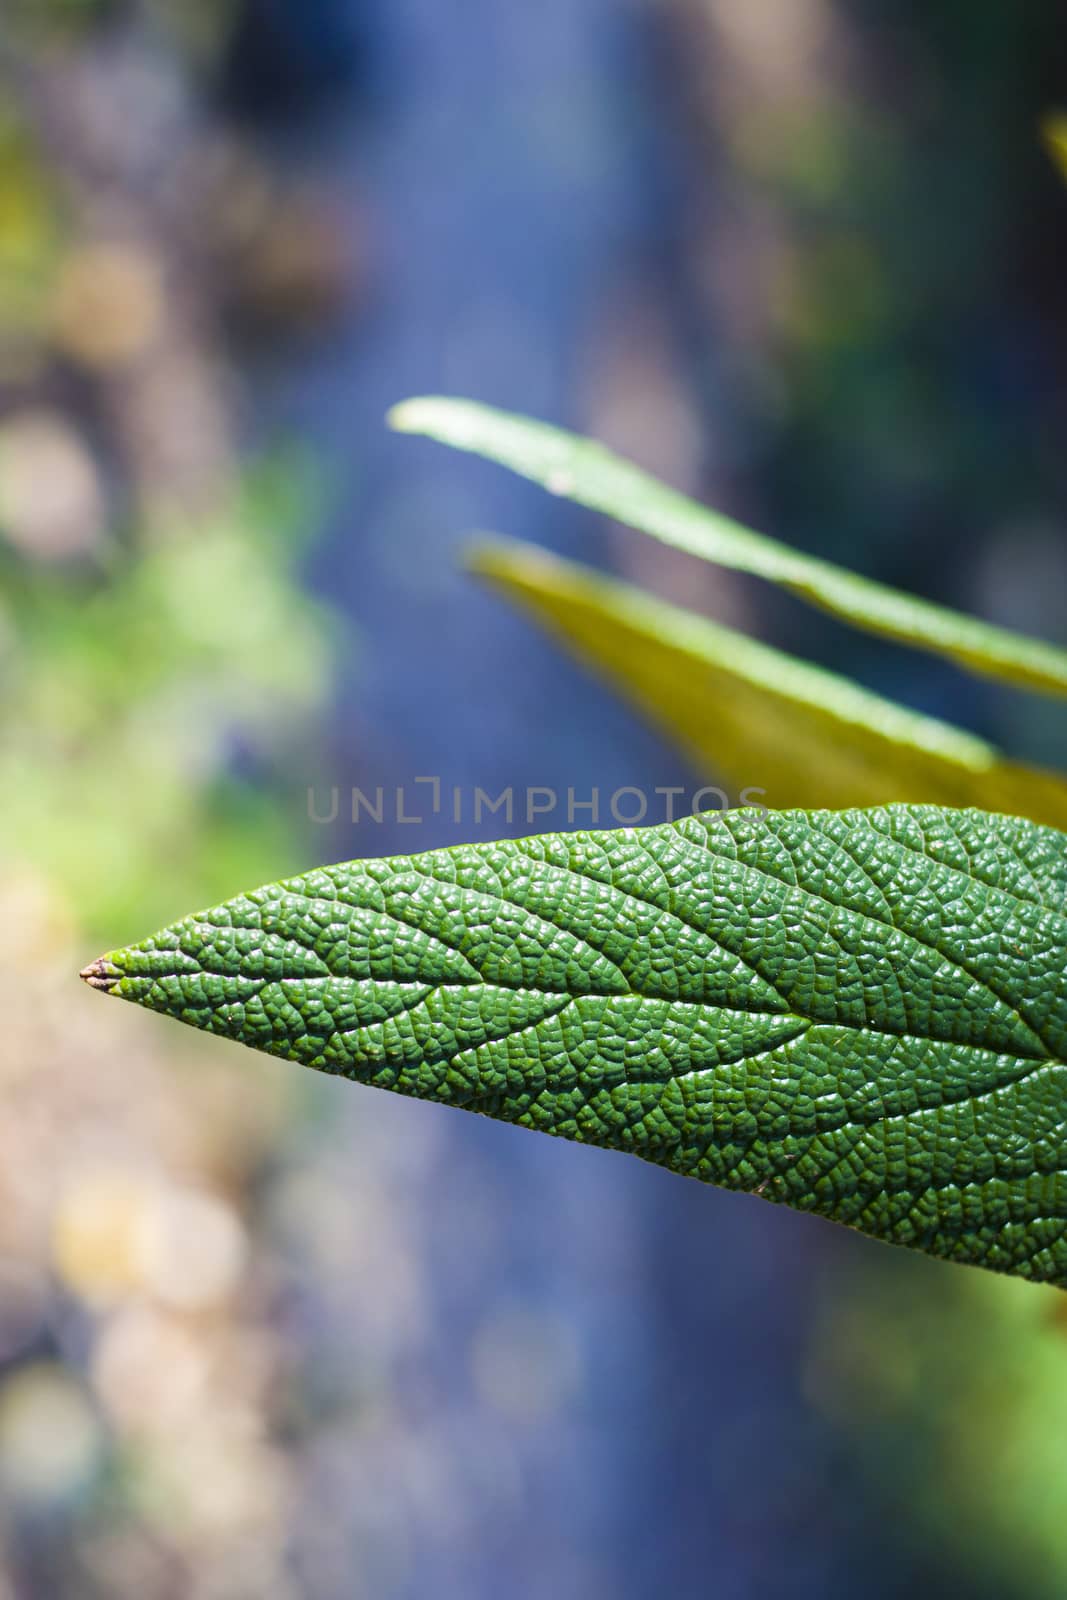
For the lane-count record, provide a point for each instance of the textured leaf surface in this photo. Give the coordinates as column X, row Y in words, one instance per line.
column 582, row 470
column 755, row 716
column 862, row 1014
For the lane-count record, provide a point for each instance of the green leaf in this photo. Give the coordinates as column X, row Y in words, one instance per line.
column 755, row 716
column 858, row 1013
column 581, row 470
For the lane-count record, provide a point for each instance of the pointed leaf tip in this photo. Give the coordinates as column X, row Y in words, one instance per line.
column 405, row 417
column 100, row 974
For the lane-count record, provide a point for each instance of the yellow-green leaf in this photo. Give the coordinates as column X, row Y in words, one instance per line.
column 754, row 715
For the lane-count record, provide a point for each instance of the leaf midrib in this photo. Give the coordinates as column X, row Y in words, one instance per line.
column 1046, row 1056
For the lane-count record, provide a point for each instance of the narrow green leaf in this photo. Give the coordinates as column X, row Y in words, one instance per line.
column 857, row 1013
column 756, row 717
column 582, row 470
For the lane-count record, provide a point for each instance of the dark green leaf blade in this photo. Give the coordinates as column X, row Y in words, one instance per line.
column 858, row 1013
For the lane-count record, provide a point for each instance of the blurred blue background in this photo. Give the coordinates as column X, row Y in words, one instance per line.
column 268, row 1337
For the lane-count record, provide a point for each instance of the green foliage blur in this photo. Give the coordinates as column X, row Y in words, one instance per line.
column 128, row 684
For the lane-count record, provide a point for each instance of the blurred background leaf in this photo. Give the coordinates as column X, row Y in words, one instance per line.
column 581, row 469
column 743, row 709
